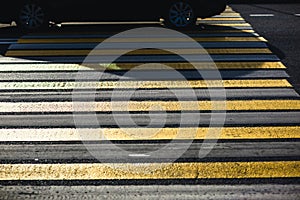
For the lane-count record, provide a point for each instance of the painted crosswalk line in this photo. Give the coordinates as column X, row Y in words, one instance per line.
column 115, row 134
column 146, row 84
column 128, row 66
column 150, row 106
column 45, row 129
column 150, row 171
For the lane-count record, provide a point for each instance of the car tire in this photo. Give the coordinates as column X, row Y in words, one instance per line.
column 32, row 16
column 180, row 14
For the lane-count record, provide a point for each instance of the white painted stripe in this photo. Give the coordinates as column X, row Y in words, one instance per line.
column 11, row 60
column 126, row 66
column 261, row 15
column 298, row 15
column 72, row 134
column 138, row 155
column 7, row 42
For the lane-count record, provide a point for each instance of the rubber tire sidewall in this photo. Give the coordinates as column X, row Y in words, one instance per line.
column 169, row 24
column 45, row 25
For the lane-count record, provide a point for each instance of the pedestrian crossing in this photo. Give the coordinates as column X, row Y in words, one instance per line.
column 257, row 127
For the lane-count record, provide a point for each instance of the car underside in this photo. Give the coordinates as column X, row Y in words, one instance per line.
column 35, row 14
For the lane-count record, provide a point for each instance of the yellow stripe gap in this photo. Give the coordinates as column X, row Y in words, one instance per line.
column 98, row 40
column 137, row 52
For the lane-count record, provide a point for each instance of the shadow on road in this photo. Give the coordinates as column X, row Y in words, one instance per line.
column 8, row 32
column 86, row 30
column 262, row 1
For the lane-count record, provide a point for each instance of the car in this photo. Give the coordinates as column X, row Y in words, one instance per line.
column 34, row 14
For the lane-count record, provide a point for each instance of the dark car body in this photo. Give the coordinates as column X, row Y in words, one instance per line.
column 108, row 10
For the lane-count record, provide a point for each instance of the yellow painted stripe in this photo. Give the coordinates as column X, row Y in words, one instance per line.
column 98, row 40
column 224, row 19
column 230, row 24
column 150, row 106
column 102, row 171
column 228, row 9
column 230, row 14
column 146, row 84
column 129, row 66
column 224, row 133
column 137, row 52
column 228, row 31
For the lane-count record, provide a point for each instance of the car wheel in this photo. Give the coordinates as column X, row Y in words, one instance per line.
column 180, row 15
column 32, row 16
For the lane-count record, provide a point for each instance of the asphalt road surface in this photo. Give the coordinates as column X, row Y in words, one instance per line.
column 226, row 127
column 279, row 24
